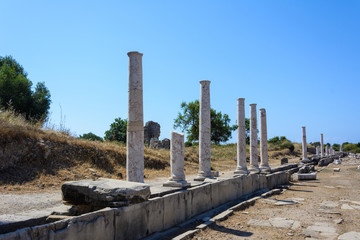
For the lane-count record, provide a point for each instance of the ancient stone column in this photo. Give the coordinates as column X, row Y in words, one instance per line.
column 254, row 161
column 135, row 125
column 204, row 132
column 317, row 150
column 177, row 161
column 241, row 138
column 304, row 146
column 332, row 151
column 326, row 150
column 264, row 163
column 341, row 148
column 322, row 145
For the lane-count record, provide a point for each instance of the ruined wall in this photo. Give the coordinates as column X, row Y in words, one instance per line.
column 157, row 214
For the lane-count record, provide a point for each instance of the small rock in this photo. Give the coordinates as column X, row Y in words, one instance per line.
column 92, row 170
column 41, row 185
column 336, row 169
column 290, row 234
column 109, row 175
column 338, row 221
column 245, row 212
column 119, row 175
column 349, row 235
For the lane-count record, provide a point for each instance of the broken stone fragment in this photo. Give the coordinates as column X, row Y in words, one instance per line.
column 105, row 192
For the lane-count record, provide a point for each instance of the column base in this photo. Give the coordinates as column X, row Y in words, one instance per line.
column 265, row 169
column 306, row 160
column 173, row 183
column 254, row 169
column 241, row 171
column 202, row 176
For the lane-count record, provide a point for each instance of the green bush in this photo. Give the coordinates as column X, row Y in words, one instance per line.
column 117, row 131
column 91, row 136
column 288, row 145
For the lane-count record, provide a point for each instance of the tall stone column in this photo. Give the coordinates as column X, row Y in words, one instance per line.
column 331, row 150
column 322, row 145
column 241, row 138
column 204, row 132
column 341, row 148
column 264, row 164
column 254, row 161
column 317, row 150
column 304, row 146
column 177, row 161
column 135, row 125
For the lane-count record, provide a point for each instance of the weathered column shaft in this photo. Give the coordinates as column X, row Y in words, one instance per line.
column 341, row 150
column 177, row 161
column 135, row 125
column 254, row 162
column 322, row 145
column 304, row 146
column 326, row 150
column 205, row 131
column 241, row 138
column 264, row 164
column 317, row 150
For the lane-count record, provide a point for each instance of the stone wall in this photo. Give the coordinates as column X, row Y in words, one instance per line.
column 157, row 214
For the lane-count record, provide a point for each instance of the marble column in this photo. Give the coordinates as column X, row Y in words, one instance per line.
column 304, row 146
column 135, row 125
column 322, row 145
column 264, row 159
column 254, row 161
column 241, row 138
column 326, row 150
column 317, row 150
column 341, row 148
column 204, row 132
column 177, row 161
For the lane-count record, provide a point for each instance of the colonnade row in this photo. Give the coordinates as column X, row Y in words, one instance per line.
column 322, row 152
column 135, row 134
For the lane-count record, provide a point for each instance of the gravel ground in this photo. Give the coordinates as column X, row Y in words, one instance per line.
column 323, row 209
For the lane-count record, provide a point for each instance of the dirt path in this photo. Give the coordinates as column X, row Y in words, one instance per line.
column 320, row 209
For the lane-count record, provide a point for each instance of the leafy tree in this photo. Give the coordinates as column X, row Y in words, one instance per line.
column 336, row 147
column 188, row 121
column 117, row 131
column 16, row 93
column 91, row 136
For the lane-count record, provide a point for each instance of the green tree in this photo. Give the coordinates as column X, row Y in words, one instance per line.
column 117, row 131
column 91, row 136
column 16, row 93
column 188, row 121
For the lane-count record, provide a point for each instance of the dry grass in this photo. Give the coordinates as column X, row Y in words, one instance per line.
column 40, row 160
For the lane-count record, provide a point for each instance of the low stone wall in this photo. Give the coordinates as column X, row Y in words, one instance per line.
column 327, row 160
column 157, row 214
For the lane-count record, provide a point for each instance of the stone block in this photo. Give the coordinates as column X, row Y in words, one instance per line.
column 201, row 199
column 155, row 211
column 105, row 192
column 262, row 182
column 94, row 225
column 307, row 176
column 215, row 194
column 177, row 208
column 247, row 184
column 131, row 222
column 255, row 182
column 21, row 234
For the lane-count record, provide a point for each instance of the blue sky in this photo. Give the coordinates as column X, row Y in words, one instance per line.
column 300, row 60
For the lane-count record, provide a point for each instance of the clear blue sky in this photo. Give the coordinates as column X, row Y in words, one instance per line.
column 300, row 60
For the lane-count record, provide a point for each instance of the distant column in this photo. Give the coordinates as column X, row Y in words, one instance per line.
column 177, row 161
column 317, row 150
column 322, row 145
column 264, row 164
column 254, row 161
column 204, row 132
column 331, row 150
column 304, row 146
column 341, row 148
column 326, row 150
column 135, row 126
column 241, row 138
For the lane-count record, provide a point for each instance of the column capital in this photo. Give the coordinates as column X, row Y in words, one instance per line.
column 134, row 53
column 205, row 82
column 252, row 104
